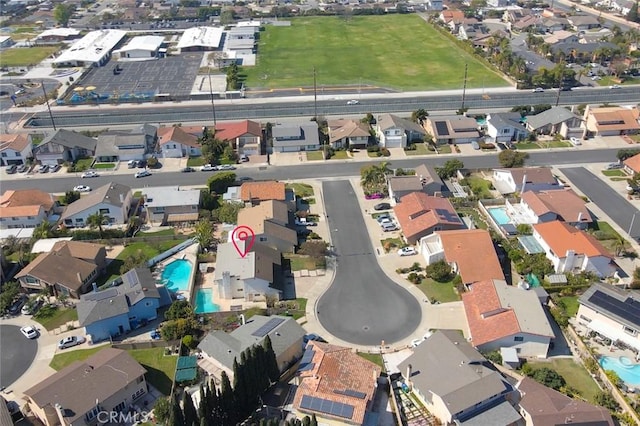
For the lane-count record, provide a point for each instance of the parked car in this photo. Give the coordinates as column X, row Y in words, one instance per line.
column 208, row 168
column 596, row 77
column 11, row 169
column 71, row 341
column 407, row 251
column 32, row 307
column 475, row 145
column 416, row 342
column 614, row 166
column 575, row 141
column 82, row 188
column 132, row 164
column 384, row 217
column 226, row 167
column 89, row 174
column 141, row 164
column 382, row 206
column 388, row 227
column 17, row 304
column 385, row 220
column 244, row 158
column 54, row 168
column 244, row 179
column 353, row 102
column 304, row 222
column 538, row 90
column 155, row 334
column 29, row 332
column 188, row 170
column 43, row 168
column 23, row 168
column 142, row 173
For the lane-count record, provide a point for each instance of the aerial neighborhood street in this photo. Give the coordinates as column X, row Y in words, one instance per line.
column 389, row 213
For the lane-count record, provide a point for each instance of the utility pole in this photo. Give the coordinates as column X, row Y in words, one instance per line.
column 315, row 95
column 213, row 104
column 46, row 100
column 464, row 89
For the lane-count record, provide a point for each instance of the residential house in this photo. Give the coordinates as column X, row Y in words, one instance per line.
column 452, row 129
column 603, row 34
column 431, row 182
column 526, row 23
column 513, row 15
column 555, row 120
column 632, row 165
column 561, row 36
column 500, row 3
column 348, row 134
column 451, row 16
column 118, row 310
column 255, row 192
column 68, row 269
column 286, row 335
column 547, row 206
column 395, row 132
column 420, row 215
column 64, row 146
column 176, row 143
column 171, row 204
column 296, row 137
column 460, row 249
column 553, row 24
column 542, row 405
column 612, row 312
column 15, row 149
column 270, row 222
column 112, row 200
column 580, row 52
column 622, row 6
column 108, row 381
column 252, row 277
column 434, row 5
column 120, row 145
column 245, row 137
column 521, row 179
column 504, row 316
column 611, row 121
column 6, row 42
column 464, row 387
column 506, row 127
column 336, row 377
column 399, row 186
column 573, row 250
column 26, row 208
column 583, row 22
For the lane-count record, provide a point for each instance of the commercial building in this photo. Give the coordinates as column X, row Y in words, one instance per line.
column 94, row 49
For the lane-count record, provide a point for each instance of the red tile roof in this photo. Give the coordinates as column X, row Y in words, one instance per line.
column 232, row 131
column 417, row 212
column 562, row 237
column 262, row 191
column 473, row 252
column 24, row 202
column 17, row 142
column 337, row 369
column 177, row 134
column 633, row 163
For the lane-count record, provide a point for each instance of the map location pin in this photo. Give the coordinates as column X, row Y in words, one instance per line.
column 245, row 234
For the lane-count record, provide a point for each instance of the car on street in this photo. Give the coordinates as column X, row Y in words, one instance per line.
column 614, row 86
column 23, row 168
column 188, row 170
column 82, row 188
column 54, row 168
column 208, row 168
column 407, row 251
column 71, row 341
column 29, row 332
column 538, row 90
column 142, row 173
column 353, row 102
column 244, row 179
column 20, row 92
column 382, row 206
column 226, row 167
column 11, row 169
column 89, row 174
column 43, row 168
column 17, row 304
column 575, row 141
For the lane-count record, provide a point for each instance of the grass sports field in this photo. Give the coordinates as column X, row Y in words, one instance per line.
column 23, row 56
column 396, row 51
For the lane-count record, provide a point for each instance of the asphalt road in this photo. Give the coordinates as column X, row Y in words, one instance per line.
column 613, row 204
column 362, row 306
column 173, row 112
column 331, row 169
column 17, row 354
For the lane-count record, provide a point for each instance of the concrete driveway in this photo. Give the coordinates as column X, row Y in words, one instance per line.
column 362, row 306
column 17, row 354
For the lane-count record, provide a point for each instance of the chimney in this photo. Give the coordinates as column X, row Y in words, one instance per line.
column 95, row 287
column 579, row 217
column 121, row 198
column 409, row 371
column 79, row 276
column 243, row 319
column 524, row 183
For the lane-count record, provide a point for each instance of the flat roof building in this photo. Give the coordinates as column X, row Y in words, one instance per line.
column 200, row 38
column 92, row 49
column 141, row 48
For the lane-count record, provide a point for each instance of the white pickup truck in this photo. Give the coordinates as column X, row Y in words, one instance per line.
column 304, row 222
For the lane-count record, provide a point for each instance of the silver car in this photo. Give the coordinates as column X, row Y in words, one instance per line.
column 70, row 341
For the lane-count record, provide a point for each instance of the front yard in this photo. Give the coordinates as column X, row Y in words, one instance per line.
column 301, row 262
column 301, row 189
column 439, row 292
column 315, row 155
column 421, row 149
column 614, row 173
column 54, row 317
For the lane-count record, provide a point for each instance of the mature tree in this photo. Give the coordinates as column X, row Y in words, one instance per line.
column 208, row 201
column 162, row 410
column 314, row 421
column 9, row 291
column 227, row 212
column 228, row 407
column 179, row 309
column 42, row 231
column 419, row 115
column 510, row 158
column 633, row 13
column 241, row 384
column 449, row 168
column 96, row 220
column 374, row 177
column 70, row 197
column 204, row 233
column 227, row 16
column 273, row 371
column 190, row 413
column 134, row 260
column 549, row 378
column 62, row 13
column 221, row 181
column 438, row 271
column 212, row 147
column 605, row 399
column 623, row 154
column 176, row 416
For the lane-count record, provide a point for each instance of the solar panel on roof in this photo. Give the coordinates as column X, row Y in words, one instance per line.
column 308, row 356
column 267, row 327
column 441, row 128
column 131, row 277
column 628, row 309
column 306, row 367
column 351, row 392
column 327, row 406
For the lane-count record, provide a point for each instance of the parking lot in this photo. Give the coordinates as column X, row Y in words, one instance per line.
column 173, row 75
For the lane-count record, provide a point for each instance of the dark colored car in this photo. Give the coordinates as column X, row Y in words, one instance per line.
column 17, row 304
column 188, row 170
column 142, row 164
column 382, row 206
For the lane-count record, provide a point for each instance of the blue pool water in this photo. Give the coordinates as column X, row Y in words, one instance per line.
column 176, row 275
column 624, row 368
column 499, row 214
column 204, row 301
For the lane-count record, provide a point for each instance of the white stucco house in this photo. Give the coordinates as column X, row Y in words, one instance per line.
column 176, row 143
column 112, row 200
column 395, row 132
column 522, row 179
column 15, row 149
column 506, row 127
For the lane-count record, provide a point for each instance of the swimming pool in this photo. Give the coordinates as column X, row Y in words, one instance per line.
column 176, row 275
column 499, row 215
column 624, row 368
column 204, row 302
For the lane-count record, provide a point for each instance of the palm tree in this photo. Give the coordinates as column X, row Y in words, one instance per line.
column 96, row 220
column 42, row 231
column 619, row 244
column 419, row 116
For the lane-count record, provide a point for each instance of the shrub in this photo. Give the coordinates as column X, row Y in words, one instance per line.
column 487, row 146
column 431, row 148
column 385, row 152
column 189, row 341
column 415, row 278
column 439, row 271
column 411, row 147
column 373, row 148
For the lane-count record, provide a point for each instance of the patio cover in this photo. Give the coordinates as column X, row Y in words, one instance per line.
column 614, row 333
column 182, row 217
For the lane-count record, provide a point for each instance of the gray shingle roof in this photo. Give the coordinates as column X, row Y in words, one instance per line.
column 387, row 121
column 111, row 193
column 68, row 139
column 296, row 134
column 554, row 116
column 506, row 119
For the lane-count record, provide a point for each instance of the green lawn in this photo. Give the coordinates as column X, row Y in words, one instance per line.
column 527, row 145
column 340, row 155
column 374, row 358
column 441, row 292
column 84, row 163
column 479, row 186
column 315, row 155
column 571, row 305
column 301, row 189
column 555, row 144
column 164, row 232
column 63, row 359
column 24, row 56
column 389, row 244
column 358, row 51
column 575, row 375
column 421, row 149
column 444, row 149
column 300, row 262
column 614, row 173
column 59, row 317
column 104, row 166
column 195, row 161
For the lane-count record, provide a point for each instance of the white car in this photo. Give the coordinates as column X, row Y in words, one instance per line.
column 142, row 173
column 407, row 251
column 575, row 141
column 416, row 342
column 29, row 332
column 596, row 77
column 614, row 86
column 226, row 167
column 82, row 188
column 353, row 102
column 208, row 168
column 538, row 90
column 70, row 341
column 89, row 174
